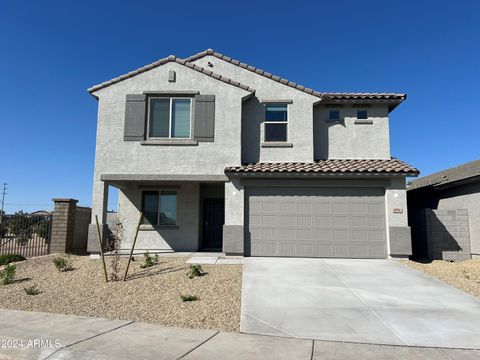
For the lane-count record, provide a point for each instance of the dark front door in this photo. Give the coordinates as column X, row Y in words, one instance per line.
column 213, row 220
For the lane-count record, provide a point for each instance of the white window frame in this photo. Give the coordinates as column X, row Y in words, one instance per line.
column 170, row 117
column 265, row 122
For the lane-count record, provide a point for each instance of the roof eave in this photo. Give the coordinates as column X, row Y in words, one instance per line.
column 171, row 58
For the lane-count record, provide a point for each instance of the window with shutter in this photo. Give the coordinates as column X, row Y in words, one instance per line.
column 169, row 118
column 135, row 117
column 204, row 122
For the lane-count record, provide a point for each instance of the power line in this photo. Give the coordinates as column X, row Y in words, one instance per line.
column 3, row 200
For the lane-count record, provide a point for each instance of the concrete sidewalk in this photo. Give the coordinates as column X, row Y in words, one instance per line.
column 78, row 337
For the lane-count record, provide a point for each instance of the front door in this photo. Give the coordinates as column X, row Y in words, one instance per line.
column 213, row 220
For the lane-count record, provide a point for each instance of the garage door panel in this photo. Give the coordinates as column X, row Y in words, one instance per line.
column 359, row 221
column 316, row 222
column 375, row 209
column 323, row 208
column 323, row 220
column 269, row 220
column 376, row 221
column 340, row 208
column 286, row 220
column 340, row 221
column 323, row 235
column 341, row 249
column 360, row 235
column 305, row 234
column 304, row 220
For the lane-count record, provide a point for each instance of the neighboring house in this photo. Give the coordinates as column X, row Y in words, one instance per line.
column 41, row 213
column 221, row 155
column 444, row 213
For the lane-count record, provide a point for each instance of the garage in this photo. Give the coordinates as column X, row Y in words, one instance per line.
column 315, row 222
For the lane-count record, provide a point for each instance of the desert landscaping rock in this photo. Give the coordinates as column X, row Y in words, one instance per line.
column 149, row 295
column 464, row 275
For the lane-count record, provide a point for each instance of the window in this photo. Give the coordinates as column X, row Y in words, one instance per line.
column 170, row 117
column 276, row 122
column 334, row 115
column 159, row 207
column 362, row 114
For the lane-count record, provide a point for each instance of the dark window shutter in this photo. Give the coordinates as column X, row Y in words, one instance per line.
column 204, row 122
column 135, row 117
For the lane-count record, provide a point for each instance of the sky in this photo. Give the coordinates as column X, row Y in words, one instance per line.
column 52, row 51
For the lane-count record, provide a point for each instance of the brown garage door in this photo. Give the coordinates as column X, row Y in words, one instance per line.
column 315, row 222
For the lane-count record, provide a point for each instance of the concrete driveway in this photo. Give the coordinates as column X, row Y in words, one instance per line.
column 365, row 301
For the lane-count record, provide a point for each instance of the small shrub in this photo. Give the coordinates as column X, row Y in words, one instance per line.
column 7, row 275
column 149, row 261
column 9, row 258
column 195, row 270
column 62, row 264
column 189, row 297
column 32, row 290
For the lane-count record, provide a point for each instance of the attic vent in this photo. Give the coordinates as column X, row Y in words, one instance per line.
column 171, row 76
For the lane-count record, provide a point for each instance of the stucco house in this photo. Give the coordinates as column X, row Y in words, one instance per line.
column 221, row 155
column 444, row 213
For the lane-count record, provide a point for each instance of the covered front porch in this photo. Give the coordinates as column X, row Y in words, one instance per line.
column 181, row 213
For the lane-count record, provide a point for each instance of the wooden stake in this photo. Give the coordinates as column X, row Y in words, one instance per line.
column 100, row 242
column 133, row 246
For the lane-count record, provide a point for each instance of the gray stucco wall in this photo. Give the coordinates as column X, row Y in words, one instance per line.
column 300, row 115
column 347, row 140
column 183, row 237
column 465, row 197
column 116, row 156
column 399, row 235
column 233, row 237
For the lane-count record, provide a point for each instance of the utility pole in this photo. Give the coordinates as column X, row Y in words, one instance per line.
column 3, row 200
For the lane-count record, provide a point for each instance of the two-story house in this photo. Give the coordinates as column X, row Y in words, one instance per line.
column 220, row 155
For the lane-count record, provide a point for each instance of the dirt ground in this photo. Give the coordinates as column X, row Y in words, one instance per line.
column 150, row 295
column 464, row 275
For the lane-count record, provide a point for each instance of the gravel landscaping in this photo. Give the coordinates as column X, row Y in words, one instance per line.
column 151, row 295
column 464, row 275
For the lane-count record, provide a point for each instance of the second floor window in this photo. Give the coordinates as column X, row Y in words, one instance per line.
column 334, row 115
column 169, row 117
column 276, row 120
column 362, row 114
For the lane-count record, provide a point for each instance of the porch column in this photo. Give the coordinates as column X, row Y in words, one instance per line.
column 233, row 232
column 398, row 233
column 99, row 208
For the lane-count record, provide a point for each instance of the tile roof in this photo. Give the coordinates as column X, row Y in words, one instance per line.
column 462, row 172
column 171, row 58
column 341, row 166
column 255, row 70
column 338, row 96
column 363, row 96
column 383, row 97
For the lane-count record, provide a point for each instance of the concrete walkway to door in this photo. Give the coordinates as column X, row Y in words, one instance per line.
column 365, row 301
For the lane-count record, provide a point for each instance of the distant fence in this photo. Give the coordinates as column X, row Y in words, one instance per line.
column 25, row 234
